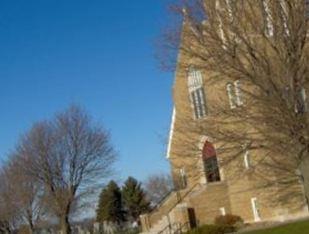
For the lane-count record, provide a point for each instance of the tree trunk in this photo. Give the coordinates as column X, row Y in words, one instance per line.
column 65, row 224
column 30, row 222
column 304, row 169
column 31, row 228
column 5, row 227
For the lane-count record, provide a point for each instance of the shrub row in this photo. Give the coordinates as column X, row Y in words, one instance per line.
column 213, row 229
column 229, row 220
column 223, row 224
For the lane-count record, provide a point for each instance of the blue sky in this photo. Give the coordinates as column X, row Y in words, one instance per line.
column 97, row 53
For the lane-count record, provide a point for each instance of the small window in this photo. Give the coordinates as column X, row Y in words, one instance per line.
column 222, row 211
column 183, row 178
column 269, row 28
column 255, row 209
column 301, row 102
column 247, row 159
column 234, row 94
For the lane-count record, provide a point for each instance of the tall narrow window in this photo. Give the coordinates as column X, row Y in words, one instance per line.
column 255, row 209
column 198, row 99
column 234, row 94
column 269, row 28
column 197, row 93
column 211, row 166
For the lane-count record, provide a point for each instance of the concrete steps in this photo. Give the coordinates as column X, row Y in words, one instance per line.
column 158, row 227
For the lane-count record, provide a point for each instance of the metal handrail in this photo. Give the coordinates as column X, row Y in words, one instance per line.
column 184, row 196
column 168, row 194
column 169, row 228
column 180, row 229
column 159, row 203
column 179, row 200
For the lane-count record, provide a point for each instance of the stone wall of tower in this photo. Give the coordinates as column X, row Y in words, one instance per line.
column 242, row 186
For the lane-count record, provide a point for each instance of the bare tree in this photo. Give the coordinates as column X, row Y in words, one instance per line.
column 261, row 46
column 20, row 198
column 70, row 156
column 9, row 212
column 25, row 194
column 157, row 186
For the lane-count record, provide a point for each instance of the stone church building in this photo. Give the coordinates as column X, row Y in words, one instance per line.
column 206, row 186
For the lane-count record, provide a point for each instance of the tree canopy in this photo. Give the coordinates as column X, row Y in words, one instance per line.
column 110, row 207
column 69, row 156
column 134, row 198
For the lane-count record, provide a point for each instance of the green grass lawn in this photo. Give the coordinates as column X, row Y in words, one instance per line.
column 292, row 228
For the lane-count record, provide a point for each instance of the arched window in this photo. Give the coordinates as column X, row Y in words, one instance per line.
column 210, row 161
column 197, row 93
